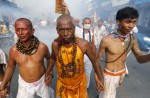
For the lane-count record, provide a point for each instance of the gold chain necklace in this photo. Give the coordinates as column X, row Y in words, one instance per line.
column 70, row 66
column 29, row 50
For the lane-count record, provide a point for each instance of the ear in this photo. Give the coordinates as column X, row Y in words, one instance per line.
column 33, row 31
column 117, row 22
column 57, row 30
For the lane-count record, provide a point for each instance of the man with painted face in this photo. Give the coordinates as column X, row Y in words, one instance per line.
column 67, row 53
column 29, row 54
column 116, row 46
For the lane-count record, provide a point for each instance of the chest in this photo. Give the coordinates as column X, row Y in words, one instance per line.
column 117, row 47
column 68, row 54
column 24, row 58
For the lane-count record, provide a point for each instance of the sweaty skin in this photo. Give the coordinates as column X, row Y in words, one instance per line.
column 31, row 67
column 66, row 29
column 113, row 47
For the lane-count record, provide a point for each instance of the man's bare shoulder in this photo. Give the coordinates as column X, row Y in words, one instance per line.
column 13, row 48
column 42, row 45
column 133, row 37
column 82, row 42
column 54, row 44
column 108, row 38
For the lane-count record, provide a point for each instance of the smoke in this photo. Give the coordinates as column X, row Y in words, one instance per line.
column 12, row 13
column 46, row 8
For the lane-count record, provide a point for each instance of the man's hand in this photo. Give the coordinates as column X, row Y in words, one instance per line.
column 48, row 79
column 64, row 5
column 5, row 92
column 65, row 8
column 99, row 85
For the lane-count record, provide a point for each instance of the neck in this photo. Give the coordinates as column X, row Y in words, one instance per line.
column 85, row 30
column 27, row 43
column 121, row 33
column 28, row 47
column 69, row 43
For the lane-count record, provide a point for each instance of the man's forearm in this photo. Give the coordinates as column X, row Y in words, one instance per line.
column 7, row 77
column 50, row 66
column 94, row 49
column 98, row 71
column 144, row 58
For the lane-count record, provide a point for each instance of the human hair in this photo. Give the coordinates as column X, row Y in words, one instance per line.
column 86, row 18
column 29, row 22
column 127, row 12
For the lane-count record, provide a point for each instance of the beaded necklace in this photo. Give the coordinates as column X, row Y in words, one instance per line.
column 70, row 66
column 29, row 50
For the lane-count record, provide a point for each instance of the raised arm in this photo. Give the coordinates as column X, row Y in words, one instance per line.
column 65, row 8
column 141, row 58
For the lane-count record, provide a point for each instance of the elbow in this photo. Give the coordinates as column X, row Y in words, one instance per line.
column 140, row 61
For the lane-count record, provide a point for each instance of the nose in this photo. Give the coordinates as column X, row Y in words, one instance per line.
column 65, row 32
column 131, row 25
column 20, row 31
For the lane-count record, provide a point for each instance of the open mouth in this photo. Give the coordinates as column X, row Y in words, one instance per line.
column 22, row 37
column 129, row 30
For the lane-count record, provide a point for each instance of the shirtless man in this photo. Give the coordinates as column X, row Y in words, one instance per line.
column 68, row 52
column 28, row 53
column 117, row 45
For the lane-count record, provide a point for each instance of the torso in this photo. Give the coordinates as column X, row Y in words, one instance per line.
column 31, row 67
column 67, row 58
column 114, row 49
